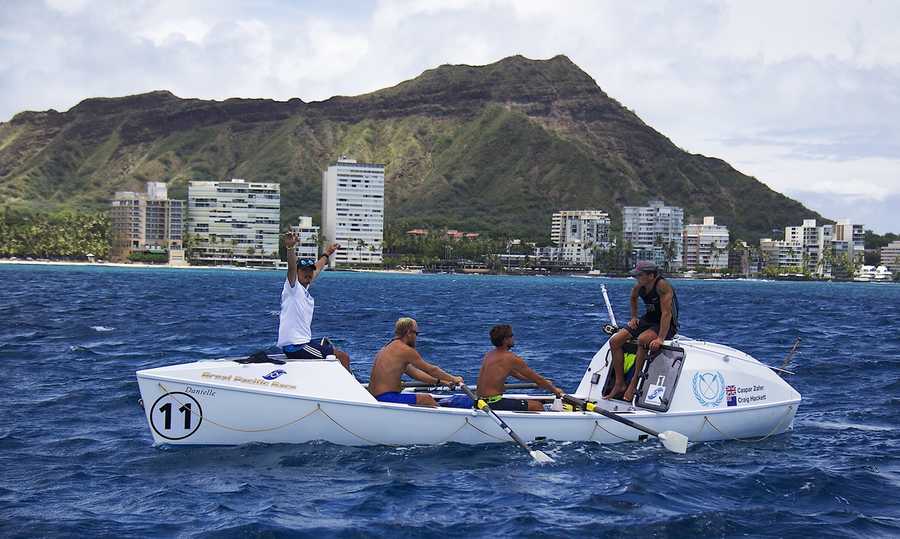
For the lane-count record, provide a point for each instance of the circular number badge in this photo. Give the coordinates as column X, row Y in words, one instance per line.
column 176, row 415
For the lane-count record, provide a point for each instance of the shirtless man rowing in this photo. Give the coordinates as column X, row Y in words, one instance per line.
column 500, row 363
column 400, row 357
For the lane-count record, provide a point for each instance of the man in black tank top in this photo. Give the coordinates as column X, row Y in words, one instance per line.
column 660, row 318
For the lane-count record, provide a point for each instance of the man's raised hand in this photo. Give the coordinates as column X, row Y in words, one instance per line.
column 290, row 239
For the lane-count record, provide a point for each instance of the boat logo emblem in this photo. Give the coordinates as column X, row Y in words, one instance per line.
column 709, row 388
column 275, row 374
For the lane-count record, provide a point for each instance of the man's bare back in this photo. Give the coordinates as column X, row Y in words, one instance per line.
column 497, row 365
column 500, row 363
column 390, row 364
column 400, row 357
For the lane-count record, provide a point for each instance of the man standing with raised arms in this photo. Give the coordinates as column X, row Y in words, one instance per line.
column 297, row 304
column 500, row 363
column 400, row 357
column 660, row 319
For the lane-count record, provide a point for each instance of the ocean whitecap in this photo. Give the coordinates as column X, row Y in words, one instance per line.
column 102, row 328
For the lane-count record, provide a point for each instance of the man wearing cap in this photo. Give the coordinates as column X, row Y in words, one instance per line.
column 660, row 319
column 297, row 304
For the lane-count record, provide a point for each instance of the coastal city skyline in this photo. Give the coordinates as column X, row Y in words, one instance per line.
column 808, row 110
column 318, row 268
column 237, row 222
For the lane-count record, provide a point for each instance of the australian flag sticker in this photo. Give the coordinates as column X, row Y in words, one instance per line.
column 731, row 395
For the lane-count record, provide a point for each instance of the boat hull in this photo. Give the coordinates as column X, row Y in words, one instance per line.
column 213, row 413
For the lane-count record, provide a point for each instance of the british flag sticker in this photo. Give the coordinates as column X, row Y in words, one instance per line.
column 731, row 395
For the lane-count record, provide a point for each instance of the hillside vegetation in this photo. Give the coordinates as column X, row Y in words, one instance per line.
column 492, row 149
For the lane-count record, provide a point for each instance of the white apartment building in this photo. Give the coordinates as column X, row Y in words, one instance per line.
column 353, row 211
column 814, row 241
column 781, row 253
column 815, row 249
column 655, row 232
column 146, row 221
column 849, row 239
column 579, row 234
column 706, row 245
column 308, row 238
column 890, row 256
column 234, row 222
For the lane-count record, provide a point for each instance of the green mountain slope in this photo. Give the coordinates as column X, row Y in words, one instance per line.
column 495, row 148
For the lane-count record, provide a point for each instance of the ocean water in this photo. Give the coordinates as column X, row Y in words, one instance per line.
column 76, row 457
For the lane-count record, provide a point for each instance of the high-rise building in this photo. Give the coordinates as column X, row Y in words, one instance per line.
column 781, row 253
column 146, row 221
column 848, row 240
column 741, row 260
column 890, row 257
column 353, row 211
column 234, row 222
column 655, row 232
column 814, row 241
column 706, row 245
column 579, row 234
column 824, row 251
column 307, row 238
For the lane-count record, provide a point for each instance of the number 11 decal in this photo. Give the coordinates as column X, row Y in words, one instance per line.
column 186, row 411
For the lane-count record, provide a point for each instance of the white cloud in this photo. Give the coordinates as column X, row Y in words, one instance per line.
column 798, row 93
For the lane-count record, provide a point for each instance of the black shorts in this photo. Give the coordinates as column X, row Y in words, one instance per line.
column 511, row 405
column 644, row 325
column 315, row 349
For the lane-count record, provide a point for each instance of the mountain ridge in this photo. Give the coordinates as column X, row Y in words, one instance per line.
column 493, row 148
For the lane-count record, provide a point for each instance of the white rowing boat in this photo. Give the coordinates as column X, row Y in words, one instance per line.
column 703, row 390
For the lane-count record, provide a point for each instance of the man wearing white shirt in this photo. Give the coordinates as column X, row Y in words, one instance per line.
column 297, row 304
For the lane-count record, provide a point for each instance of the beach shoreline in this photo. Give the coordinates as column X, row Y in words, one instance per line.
column 136, row 265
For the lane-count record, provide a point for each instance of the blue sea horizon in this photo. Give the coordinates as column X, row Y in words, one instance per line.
column 77, row 455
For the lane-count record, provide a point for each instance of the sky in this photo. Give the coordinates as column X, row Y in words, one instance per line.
column 802, row 95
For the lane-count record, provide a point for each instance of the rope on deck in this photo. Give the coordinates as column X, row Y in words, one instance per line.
column 319, row 408
column 239, row 429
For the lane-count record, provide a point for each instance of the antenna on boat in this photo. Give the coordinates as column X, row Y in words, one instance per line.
column 790, row 356
column 612, row 316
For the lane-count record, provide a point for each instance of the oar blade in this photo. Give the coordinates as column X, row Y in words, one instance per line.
column 674, row 441
column 541, row 457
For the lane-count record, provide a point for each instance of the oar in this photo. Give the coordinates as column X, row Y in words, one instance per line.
column 537, row 455
column 422, row 386
column 671, row 440
column 417, row 384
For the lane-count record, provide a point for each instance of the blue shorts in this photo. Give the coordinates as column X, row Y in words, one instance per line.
column 397, row 397
column 315, row 349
